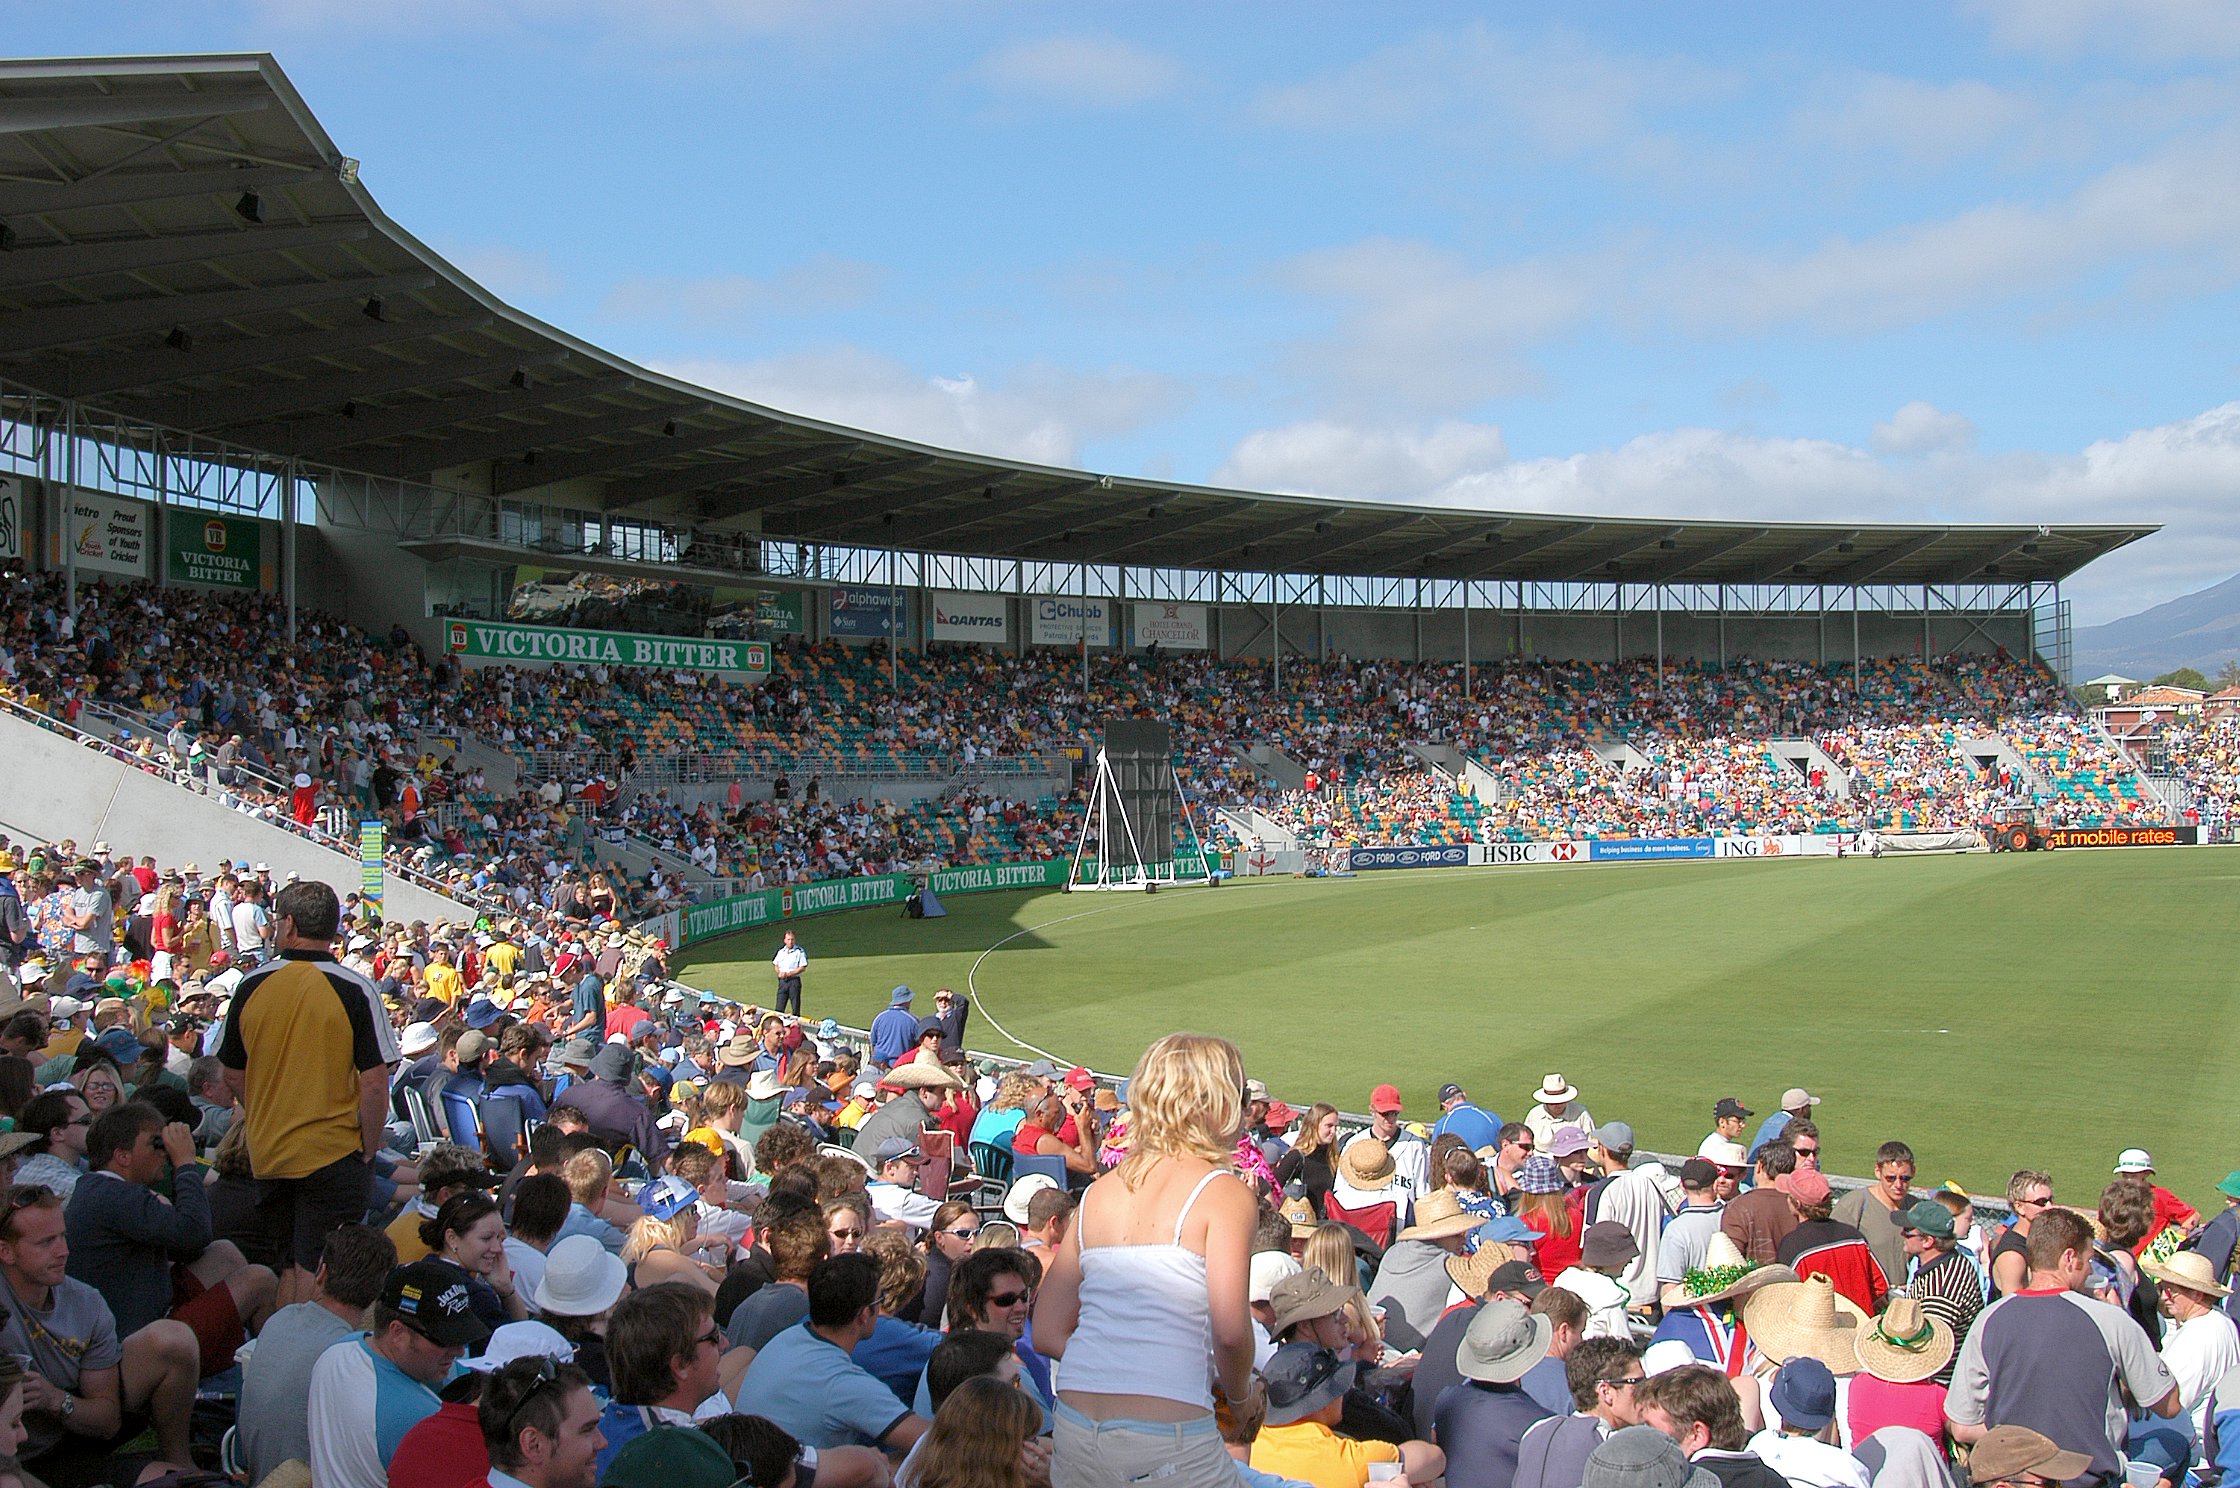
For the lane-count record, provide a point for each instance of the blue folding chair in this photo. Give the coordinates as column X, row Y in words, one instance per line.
column 1052, row 1167
column 505, row 1130
column 423, row 1120
column 461, row 1119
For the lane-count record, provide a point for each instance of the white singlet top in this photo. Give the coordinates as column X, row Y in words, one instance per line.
column 1146, row 1326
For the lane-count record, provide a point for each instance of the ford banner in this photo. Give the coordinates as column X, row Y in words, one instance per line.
column 1457, row 856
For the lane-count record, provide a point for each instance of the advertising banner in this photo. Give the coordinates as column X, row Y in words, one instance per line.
column 497, row 641
column 870, row 614
column 108, row 533
column 754, row 612
column 1457, row 856
column 1270, row 862
column 11, row 517
column 952, row 616
column 987, row 877
column 2123, row 837
column 1649, row 849
column 372, row 844
column 1060, row 622
column 1171, row 627
column 224, row 551
column 722, row 916
column 1508, row 853
column 845, row 893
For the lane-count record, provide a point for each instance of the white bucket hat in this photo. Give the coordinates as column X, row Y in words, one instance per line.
column 581, row 1279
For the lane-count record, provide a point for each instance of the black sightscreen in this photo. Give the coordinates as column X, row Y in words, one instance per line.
column 1141, row 756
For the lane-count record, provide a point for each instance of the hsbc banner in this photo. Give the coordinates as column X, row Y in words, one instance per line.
column 1457, row 856
column 1171, row 627
column 1501, row 854
column 868, row 614
column 985, row 618
column 1650, row 849
column 1061, row 622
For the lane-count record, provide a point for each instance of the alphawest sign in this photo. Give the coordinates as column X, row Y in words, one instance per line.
column 498, row 641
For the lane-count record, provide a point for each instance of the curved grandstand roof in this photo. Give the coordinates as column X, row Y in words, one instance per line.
column 184, row 244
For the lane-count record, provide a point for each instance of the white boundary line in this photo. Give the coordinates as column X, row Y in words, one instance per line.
column 972, row 987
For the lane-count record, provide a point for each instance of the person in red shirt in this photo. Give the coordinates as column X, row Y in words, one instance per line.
column 1821, row 1246
column 2169, row 1209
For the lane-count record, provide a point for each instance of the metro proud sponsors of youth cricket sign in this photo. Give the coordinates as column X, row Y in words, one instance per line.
column 496, row 640
column 954, row 616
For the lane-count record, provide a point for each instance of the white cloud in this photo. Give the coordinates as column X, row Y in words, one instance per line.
column 1418, row 327
column 2178, row 205
column 1039, row 414
column 1563, row 96
column 1921, row 428
column 1081, row 71
column 1906, row 121
column 1316, row 457
column 2180, row 474
column 816, row 287
column 2158, row 30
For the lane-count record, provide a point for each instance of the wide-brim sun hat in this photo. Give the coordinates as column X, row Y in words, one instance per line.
column 2189, row 1269
column 1725, row 1274
column 764, row 1085
column 1905, row 1344
column 582, row 1278
column 917, row 1075
column 1439, row 1216
column 1806, row 1318
column 1366, row 1163
column 1554, row 1090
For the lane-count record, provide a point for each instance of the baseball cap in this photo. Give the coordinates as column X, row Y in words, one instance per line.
column 1268, row 1268
column 2134, row 1160
column 1449, row 1091
column 1729, row 1106
column 1804, row 1392
column 1506, row 1229
column 1255, row 1090
column 1808, row 1186
column 671, row 1457
column 472, row 1045
column 1796, row 1098
column 431, row 1297
column 668, row 1196
column 1928, row 1216
column 1385, row 1098
column 1041, row 1069
column 1698, row 1173
column 1614, row 1136
column 895, row 1149
column 1021, row 1194
column 1080, row 1079
column 1520, row 1277
column 2011, row 1451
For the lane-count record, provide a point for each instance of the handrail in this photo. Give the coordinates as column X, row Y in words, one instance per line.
column 318, row 836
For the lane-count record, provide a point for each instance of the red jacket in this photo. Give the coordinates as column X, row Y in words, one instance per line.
column 1826, row 1247
column 444, row 1451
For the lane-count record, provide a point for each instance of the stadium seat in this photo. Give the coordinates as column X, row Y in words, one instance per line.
column 505, row 1133
column 462, row 1119
column 1053, row 1168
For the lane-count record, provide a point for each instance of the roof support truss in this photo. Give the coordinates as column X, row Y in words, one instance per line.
column 76, row 325
column 98, row 375
column 319, row 437
column 777, row 493
column 647, row 490
column 36, row 198
column 62, row 263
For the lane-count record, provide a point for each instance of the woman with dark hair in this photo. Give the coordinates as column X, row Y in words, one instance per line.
column 468, row 1232
column 16, row 1088
column 948, row 1240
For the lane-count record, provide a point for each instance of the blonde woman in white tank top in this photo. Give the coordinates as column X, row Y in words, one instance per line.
column 1144, row 1306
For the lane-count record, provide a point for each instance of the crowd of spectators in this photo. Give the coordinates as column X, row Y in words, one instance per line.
column 440, row 1204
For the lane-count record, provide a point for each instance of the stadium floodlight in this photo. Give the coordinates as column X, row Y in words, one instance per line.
column 179, row 340
column 250, row 208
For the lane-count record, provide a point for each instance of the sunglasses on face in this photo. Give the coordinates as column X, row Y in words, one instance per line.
column 1808, row 1152
column 1007, row 1299
column 963, row 1234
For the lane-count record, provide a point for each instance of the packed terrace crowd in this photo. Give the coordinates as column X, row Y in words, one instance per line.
column 345, row 722
column 298, row 1196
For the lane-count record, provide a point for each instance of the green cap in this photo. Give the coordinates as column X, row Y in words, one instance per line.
column 2230, row 1188
column 1930, row 1218
column 670, row 1457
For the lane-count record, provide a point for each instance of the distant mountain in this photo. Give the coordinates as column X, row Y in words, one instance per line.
column 2200, row 630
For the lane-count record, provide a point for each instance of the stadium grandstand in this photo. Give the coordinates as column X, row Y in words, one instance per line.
column 325, row 566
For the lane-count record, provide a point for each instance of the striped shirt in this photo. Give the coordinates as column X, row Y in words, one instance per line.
column 1947, row 1288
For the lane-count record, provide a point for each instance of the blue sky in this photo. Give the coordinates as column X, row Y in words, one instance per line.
column 1968, row 262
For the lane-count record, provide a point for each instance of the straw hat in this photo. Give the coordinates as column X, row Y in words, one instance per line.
column 920, row 1076
column 1905, row 1344
column 1300, row 1212
column 1439, row 1215
column 2189, row 1269
column 1806, row 1318
column 1366, row 1163
column 1725, row 1274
